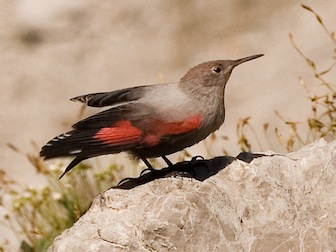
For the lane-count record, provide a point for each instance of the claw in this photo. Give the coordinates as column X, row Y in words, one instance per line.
column 197, row 158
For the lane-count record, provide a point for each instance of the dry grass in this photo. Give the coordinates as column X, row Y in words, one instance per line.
column 322, row 121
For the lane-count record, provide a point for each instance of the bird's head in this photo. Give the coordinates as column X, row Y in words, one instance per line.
column 212, row 73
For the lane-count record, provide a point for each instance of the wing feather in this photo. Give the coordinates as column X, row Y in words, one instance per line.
column 112, row 98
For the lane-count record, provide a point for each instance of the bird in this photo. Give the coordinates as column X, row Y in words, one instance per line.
column 149, row 121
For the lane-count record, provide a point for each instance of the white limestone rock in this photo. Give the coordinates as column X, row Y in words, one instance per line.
column 277, row 203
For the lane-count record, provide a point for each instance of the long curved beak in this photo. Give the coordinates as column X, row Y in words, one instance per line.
column 242, row 60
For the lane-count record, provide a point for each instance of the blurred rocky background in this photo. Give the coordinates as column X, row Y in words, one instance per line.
column 51, row 51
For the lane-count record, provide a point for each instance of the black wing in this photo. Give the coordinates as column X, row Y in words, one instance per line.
column 81, row 137
column 112, row 98
column 83, row 143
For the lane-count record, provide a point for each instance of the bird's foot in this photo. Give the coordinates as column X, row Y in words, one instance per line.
column 197, row 158
column 151, row 169
column 125, row 180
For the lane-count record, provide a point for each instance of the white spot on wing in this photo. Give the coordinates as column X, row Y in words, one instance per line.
column 75, row 151
column 63, row 136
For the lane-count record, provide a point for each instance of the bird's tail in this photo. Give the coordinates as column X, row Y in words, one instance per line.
column 81, row 144
column 68, row 144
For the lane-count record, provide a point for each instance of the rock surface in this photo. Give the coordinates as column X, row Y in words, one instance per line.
column 278, row 203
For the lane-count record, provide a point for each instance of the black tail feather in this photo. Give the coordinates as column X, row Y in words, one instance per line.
column 69, row 144
column 80, row 144
column 73, row 163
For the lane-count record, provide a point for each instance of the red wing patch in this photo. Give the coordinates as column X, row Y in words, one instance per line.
column 176, row 128
column 171, row 128
column 123, row 132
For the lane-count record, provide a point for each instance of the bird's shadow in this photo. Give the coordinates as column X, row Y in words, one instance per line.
column 198, row 168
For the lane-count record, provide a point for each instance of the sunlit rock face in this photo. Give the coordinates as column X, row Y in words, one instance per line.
column 274, row 203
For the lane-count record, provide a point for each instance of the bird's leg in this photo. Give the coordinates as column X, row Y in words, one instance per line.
column 170, row 164
column 149, row 166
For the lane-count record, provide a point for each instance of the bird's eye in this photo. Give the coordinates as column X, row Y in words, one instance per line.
column 216, row 69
